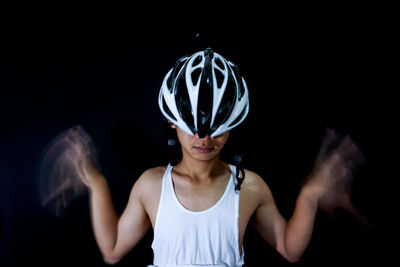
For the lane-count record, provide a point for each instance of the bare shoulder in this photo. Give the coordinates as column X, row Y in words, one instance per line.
column 254, row 185
column 152, row 175
column 150, row 180
column 147, row 190
column 155, row 173
column 253, row 181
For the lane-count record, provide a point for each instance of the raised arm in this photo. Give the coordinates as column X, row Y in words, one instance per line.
column 328, row 187
column 115, row 235
column 290, row 238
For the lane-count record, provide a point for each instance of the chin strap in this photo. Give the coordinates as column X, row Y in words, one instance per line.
column 172, row 153
column 239, row 171
column 173, row 147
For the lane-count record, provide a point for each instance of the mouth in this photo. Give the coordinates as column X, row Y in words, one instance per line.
column 204, row 149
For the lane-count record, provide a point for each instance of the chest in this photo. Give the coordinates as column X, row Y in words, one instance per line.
column 198, row 197
column 195, row 200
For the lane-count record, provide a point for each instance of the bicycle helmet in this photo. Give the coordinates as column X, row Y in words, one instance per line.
column 205, row 94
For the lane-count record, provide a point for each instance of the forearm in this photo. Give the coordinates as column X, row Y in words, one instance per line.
column 300, row 226
column 103, row 216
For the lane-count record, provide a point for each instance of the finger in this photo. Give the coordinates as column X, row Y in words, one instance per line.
column 73, row 150
column 350, row 152
column 330, row 137
column 83, row 134
column 73, row 140
column 78, row 142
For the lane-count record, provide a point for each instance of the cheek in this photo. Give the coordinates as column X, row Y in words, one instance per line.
column 184, row 138
column 220, row 142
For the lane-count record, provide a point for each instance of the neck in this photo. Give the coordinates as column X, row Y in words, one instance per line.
column 201, row 169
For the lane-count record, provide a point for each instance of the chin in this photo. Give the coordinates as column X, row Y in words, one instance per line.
column 204, row 157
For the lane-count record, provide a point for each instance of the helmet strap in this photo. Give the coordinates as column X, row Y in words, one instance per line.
column 238, row 159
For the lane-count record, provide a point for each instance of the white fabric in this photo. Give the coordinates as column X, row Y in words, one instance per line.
column 206, row 238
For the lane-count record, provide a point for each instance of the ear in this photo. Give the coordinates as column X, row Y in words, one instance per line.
column 173, row 126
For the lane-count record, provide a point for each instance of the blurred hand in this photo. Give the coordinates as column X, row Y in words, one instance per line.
column 332, row 176
column 82, row 155
column 68, row 167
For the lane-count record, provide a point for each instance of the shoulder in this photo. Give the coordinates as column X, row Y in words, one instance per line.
column 150, row 180
column 253, row 181
column 155, row 173
column 255, row 186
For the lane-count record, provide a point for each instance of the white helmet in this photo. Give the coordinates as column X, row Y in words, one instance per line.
column 204, row 94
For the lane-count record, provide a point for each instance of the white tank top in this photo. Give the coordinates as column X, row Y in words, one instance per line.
column 205, row 238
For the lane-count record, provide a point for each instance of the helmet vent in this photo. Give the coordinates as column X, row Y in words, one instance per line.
column 220, row 78
column 175, row 72
column 242, row 114
column 235, row 70
column 195, row 75
column 197, row 60
column 219, row 63
column 167, row 110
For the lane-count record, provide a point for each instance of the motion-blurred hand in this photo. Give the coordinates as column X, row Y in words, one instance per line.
column 82, row 155
column 332, row 176
column 68, row 167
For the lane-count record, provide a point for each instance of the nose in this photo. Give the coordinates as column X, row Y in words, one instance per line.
column 206, row 137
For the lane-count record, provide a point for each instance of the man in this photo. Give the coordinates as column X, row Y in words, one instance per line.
column 199, row 209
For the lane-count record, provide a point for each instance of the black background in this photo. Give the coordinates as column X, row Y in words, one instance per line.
column 305, row 70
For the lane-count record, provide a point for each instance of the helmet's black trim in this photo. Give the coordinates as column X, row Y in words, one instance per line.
column 205, row 98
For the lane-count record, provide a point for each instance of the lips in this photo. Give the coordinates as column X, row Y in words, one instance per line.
column 203, row 149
